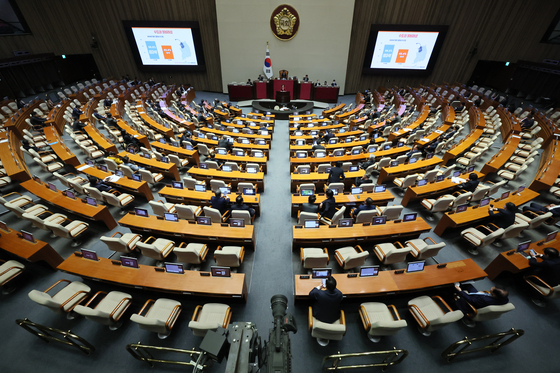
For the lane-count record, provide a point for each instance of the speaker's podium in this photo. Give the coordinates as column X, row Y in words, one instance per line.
column 282, row 97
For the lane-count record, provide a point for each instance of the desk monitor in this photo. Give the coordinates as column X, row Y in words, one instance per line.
column 238, row 223
column 175, row 144
column 412, row 160
column 131, row 150
column 415, row 266
column 29, row 236
column 300, row 142
column 376, row 135
column 378, row 220
column 259, row 154
column 462, row 208
column 220, row 271
column 136, row 177
column 162, row 141
column 222, row 151
column 244, row 141
column 504, row 195
column 252, row 170
column 311, row 223
column 356, row 151
column 521, row 188
column 296, row 113
column 147, row 156
column 321, row 272
column 327, row 170
column 128, row 261
column 226, row 168
column 456, row 173
column 440, row 178
column 305, row 171
column 103, row 168
column 338, row 153
column 369, row 271
column 199, row 188
column 345, row 223
column 353, row 168
column 249, row 191
column 484, row 202
column 119, row 173
column 550, row 237
column 322, row 155
column 203, row 166
column 335, row 192
column 523, row 246
column 4, row 226
column 91, row 201
column 170, row 217
column 141, row 212
column 387, row 147
column 264, row 132
column 363, row 137
column 299, row 133
column 301, row 155
column 348, row 139
column 89, row 254
column 203, row 220
column 400, row 144
column 429, row 155
column 372, row 149
column 174, row 268
column 422, row 182
column 240, row 153
column 410, row 217
column 189, row 147
column 357, row 190
column 70, row 194
column 307, row 192
column 52, row 187
column 225, row 190
column 394, row 163
column 88, row 162
column 177, row 184
column 164, row 160
column 201, row 135
column 470, row 169
column 380, row 188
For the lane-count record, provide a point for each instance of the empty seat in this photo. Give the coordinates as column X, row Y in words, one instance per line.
column 109, row 310
column 125, row 243
column 8, row 271
column 378, row 320
column 160, row 208
column 303, row 216
column 389, row 253
column 430, row 315
column 160, row 317
column 72, row 230
column 424, row 248
column 391, row 212
column 229, row 256
column 211, row 316
column 188, row 212
column 351, row 257
column 65, row 299
column 214, row 214
column 435, row 205
column 192, row 253
column 157, row 249
column 117, row 199
column 312, row 257
column 486, row 313
column 480, row 236
column 544, row 290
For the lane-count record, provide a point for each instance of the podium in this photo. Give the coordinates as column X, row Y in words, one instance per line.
column 282, row 97
column 288, row 87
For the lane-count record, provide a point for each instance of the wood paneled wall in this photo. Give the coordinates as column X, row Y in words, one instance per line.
column 501, row 30
column 66, row 27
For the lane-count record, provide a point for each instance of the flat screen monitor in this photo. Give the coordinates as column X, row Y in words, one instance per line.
column 298, row 133
column 70, row 194
column 4, row 226
column 356, row 151
column 311, row 223
column 422, row 182
column 521, row 188
column 300, row 142
column 353, row 168
column 400, row 144
column 484, row 202
column 91, row 201
column 369, row 271
column 170, row 217
column 440, row 178
column 410, row 217
column 222, row 151
column 166, row 46
column 387, row 147
column 175, row 144
column 328, row 169
column 245, row 141
column 376, row 135
column 264, row 132
column 321, row 272
column 203, row 220
column 470, row 169
column 131, row 150
column 128, row 261
column 357, row 190
column 302, row 155
column 523, row 246
column 377, row 220
column 462, row 208
column 146, row 155
column 225, row 190
column 226, row 168
column 345, row 222
column 203, row 166
column 89, row 254
column 136, row 178
column 372, row 149
column 27, row 236
column 88, row 162
column 415, row 266
column 199, row 188
column 412, row 160
column 238, row 223
column 119, row 173
column 429, row 155
column 240, row 153
column 403, row 50
column 336, row 153
column 249, row 191
column 141, row 212
column 504, row 195
column 456, row 173
column 322, row 155
column 220, row 271
column 189, row 147
column 304, row 171
column 259, row 154
column 252, row 170
column 394, row 163
column 162, row 141
column 261, row 142
column 550, row 237
column 177, row 184
column 348, row 139
column 307, row 192
column 380, row 188
column 335, row 192
column 52, row 187
column 103, row 168
column 174, row 268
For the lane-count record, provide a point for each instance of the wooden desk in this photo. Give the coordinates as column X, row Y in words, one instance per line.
column 317, row 128
column 190, row 155
column 213, row 143
column 329, row 112
column 123, row 184
column 433, row 136
column 243, row 160
column 358, row 233
column 59, row 147
column 169, row 169
column 320, row 179
column 233, row 134
column 142, row 138
column 168, row 132
column 340, row 135
column 474, row 214
column 185, row 231
column 345, row 115
column 389, row 283
column 500, row 158
column 100, row 139
column 382, row 198
column 32, row 252
column 146, row 278
column 232, row 177
column 74, row 206
column 390, row 173
column 465, row 144
column 343, row 145
column 549, row 167
column 12, row 158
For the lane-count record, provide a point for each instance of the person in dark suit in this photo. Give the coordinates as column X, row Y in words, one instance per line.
column 260, row 78
column 367, row 205
column 449, row 133
column 548, row 269
column 107, row 103
column 37, row 121
column 503, row 218
column 362, row 180
column 77, row 126
column 328, row 135
column 224, row 143
column 467, row 294
column 239, row 205
column 470, row 186
column 98, row 184
column 76, row 112
column 319, row 145
column 219, row 203
column 333, row 83
column 306, row 78
column 310, row 206
column 535, row 207
column 431, row 148
column 111, row 122
column 328, row 206
column 326, row 307
column 336, row 174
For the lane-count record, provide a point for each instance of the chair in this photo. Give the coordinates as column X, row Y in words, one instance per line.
column 50, row 167
column 494, row 187
column 435, row 205
column 322, row 168
column 211, row 316
column 544, row 290
column 178, row 161
column 302, row 167
column 39, row 219
column 325, row 332
column 512, row 231
column 430, row 176
column 422, row 249
column 118, row 199
column 480, row 192
column 151, row 178
column 378, row 320
column 192, row 253
column 71, row 231
column 535, row 220
column 188, row 212
column 391, row 212
column 64, row 301
column 229, row 256
column 312, row 257
column 460, row 199
column 405, row 182
column 215, row 185
column 160, row 208
column 306, row 186
column 485, row 313
column 8, row 271
column 125, row 243
column 157, row 249
column 430, row 315
column 189, row 182
column 160, row 316
column 241, row 186
column 303, row 216
column 339, row 187
column 215, row 215
column 366, row 216
column 111, row 164
column 351, row 257
column 108, row 311
column 243, row 214
column 339, row 214
column 383, row 162
column 480, row 236
column 388, row 253
column 17, row 204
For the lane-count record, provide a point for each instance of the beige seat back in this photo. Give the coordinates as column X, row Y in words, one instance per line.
column 188, row 212
column 213, row 214
column 492, row 312
column 366, row 216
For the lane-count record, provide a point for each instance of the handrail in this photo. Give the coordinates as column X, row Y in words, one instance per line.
column 450, row 353
column 42, row 332
column 140, row 352
column 393, row 357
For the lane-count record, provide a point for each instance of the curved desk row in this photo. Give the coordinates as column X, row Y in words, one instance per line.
column 320, row 179
column 12, row 157
column 123, row 183
column 349, row 200
column 190, row 155
column 59, row 147
column 30, row 251
column 233, row 177
column 169, row 169
column 389, row 173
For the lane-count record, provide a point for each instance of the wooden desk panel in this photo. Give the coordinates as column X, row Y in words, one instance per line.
column 168, row 132
column 145, row 277
column 343, row 145
column 382, row 198
column 32, row 252
column 233, row 134
column 190, row 155
column 185, row 231
column 333, row 110
column 169, row 169
column 340, row 135
column 500, row 158
column 214, row 143
column 389, row 283
column 465, row 144
column 320, row 179
column 232, row 177
column 142, row 138
column 59, row 147
column 123, row 184
column 12, row 157
column 358, row 233
column 100, row 139
column 390, row 173
column 433, row 136
column 243, row 160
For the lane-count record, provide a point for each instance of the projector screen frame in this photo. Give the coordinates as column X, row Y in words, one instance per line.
column 197, row 41
column 372, row 40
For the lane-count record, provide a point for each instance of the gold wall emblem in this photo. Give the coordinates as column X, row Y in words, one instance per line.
column 284, row 22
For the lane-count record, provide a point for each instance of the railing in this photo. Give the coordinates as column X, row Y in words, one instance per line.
column 451, row 354
column 392, row 357
column 69, row 338
column 141, row 352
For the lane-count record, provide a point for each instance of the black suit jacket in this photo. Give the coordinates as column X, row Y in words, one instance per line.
column 327, row 304
column 477, row 301
column 502, row 218
column 336, row 175
column 470, row 186
column 219, row 203
column 549, row 270
column 310, row 207
column 329, row 208
column 243, row 207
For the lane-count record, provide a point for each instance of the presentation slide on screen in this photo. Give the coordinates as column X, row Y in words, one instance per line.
column 165, row 46
column 403, row 50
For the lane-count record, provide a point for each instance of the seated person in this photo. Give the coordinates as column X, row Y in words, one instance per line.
column 502, row 218
column 415, row 149
column 535, row 207
column 239, row 205
column 460, row 108
column 326, row 84
column 310, row 206
column 219, row 203
column 127, row 162
column 319, row 145
column 26, row 145
column 98, row 184
column 224, row 143
column 76, row 112
column 305, row 78
column 128, row 139
column 362, row 180
column 114, row 158
column 318, row 83
column 470, row 186
column 36, row 120
column 367, row 205
column 366, row 164
column 528, row 121
column 326, row 307
column 548, row 269
column 336, row 174
column 468, row 293
column 78, row 126
column 449, row 133
column 328, row 206
column 431, row 148
column 111, row 122
column 260, row 78
column 249, row 81
column 333, row 83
